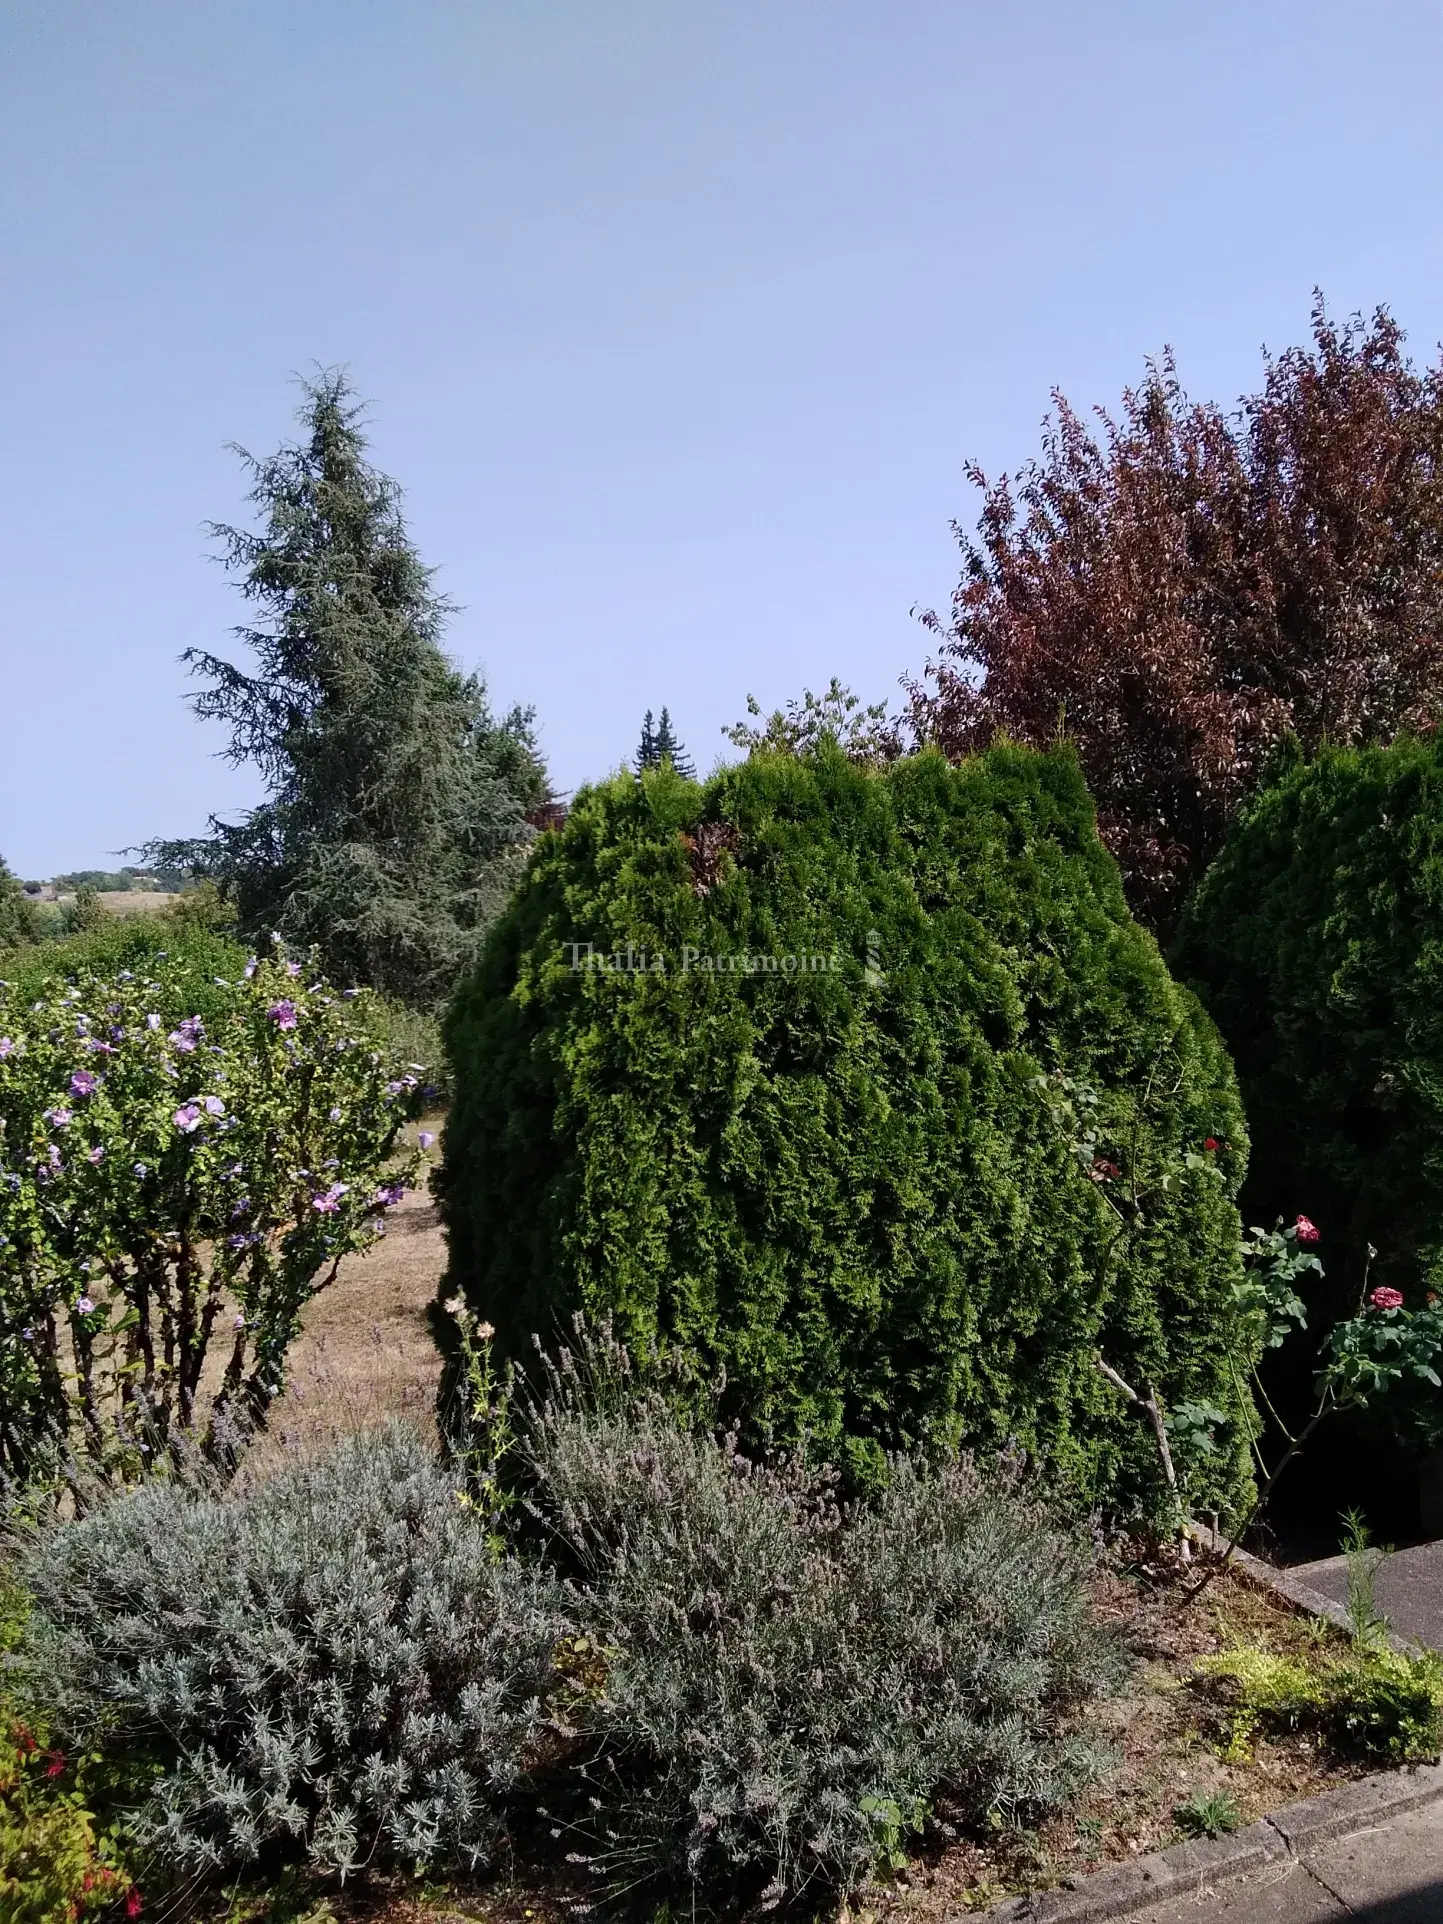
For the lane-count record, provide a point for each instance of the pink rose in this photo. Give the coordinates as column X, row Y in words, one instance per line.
column 1385, row 1298
column 1307, row 1232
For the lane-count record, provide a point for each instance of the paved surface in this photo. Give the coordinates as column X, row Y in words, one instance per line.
column 1408, row 1589
column 1391, row 1874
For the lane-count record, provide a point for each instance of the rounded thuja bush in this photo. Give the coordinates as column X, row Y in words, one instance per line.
column 865, row 1091
column 1316, row 939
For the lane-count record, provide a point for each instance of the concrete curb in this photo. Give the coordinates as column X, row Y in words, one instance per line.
column 1189, row 1868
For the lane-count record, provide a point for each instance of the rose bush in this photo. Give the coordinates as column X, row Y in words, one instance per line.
column 162, row 1181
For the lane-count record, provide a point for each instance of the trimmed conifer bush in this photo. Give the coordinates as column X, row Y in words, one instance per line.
column 769, row 1071
column 1317, row 940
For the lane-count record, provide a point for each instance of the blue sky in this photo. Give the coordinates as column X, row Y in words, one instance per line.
column 679, row 318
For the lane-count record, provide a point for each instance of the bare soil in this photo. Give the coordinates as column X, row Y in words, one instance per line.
column 1170, row 1728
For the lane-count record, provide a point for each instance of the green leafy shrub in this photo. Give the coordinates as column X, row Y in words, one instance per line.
column 56, row 1865
column 185, row 957
column 1316, row 939
column 410, row 1039
column 53, row 1869
column 19, row 923
column 163, row 1185
column 836, row 1177
column 785, row 1689
column 331, row 1668
column 1375, row 1699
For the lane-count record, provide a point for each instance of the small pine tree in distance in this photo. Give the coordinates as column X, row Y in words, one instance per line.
column 660, row 744
column 398, row 802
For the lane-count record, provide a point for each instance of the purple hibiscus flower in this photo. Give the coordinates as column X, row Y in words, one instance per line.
column 283, row 1014
column 330, row 1202
column 185, row 1039
column 83, row 1083
column 187, row 1118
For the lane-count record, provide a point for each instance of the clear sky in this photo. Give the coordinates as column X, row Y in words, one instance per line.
column 679, row 318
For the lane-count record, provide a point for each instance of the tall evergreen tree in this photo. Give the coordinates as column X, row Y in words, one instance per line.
column 19, row 924
column 398, row 802
column 646, row 755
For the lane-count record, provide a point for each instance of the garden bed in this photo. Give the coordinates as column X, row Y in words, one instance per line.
column 1172, row 1729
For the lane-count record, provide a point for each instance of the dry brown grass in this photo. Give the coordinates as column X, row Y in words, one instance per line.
column 365, row 1352
column 134, row 901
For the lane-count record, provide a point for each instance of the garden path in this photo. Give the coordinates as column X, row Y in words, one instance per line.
column 365, row 1352
column 1408, row 1589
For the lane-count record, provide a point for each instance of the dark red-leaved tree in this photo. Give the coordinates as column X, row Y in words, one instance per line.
column 1178, row 588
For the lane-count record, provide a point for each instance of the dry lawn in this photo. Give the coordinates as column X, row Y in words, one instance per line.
column 365, row 1351
column 134, row 901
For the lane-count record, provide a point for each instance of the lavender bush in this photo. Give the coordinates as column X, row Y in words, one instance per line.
column 786, row 1688
column 168, row 1182
column 332, row 1668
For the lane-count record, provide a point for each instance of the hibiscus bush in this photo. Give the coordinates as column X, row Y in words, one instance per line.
column 173, row 1188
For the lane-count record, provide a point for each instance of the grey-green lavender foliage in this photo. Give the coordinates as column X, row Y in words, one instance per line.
column 334, row 1668
column 791, row 1688
column 396, row 817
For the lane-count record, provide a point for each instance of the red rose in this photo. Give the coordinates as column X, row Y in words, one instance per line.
column 1210, row 1143
column 1105, row 1171
column 132, row 1902
column 1385, row 1298
column 55, row 1765
column 1307, row 1232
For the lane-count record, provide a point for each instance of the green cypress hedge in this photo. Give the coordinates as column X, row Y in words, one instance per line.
column 1316, row 939
column 838, row 1180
